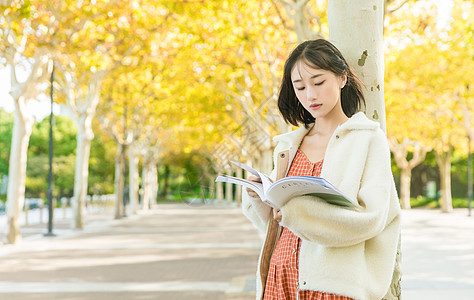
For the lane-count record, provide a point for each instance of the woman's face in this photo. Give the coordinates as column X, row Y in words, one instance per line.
column 318, row 90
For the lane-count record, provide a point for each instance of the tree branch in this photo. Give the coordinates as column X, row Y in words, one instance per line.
column 391, row 10
column 283, row 22
column 300, row 4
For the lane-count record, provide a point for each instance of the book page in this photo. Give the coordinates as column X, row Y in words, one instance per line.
column 287, row 188
column 333, row 199
column 246, row 168
column 257, row 187
column 266, row 181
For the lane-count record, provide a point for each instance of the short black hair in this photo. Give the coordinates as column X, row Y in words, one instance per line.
column 319, row 54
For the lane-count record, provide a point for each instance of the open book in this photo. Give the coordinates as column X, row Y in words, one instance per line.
column 277, row 193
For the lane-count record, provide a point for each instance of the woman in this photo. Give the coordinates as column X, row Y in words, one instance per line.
column 315, row 250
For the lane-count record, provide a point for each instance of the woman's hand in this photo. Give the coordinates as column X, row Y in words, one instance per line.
column 277, row 215
column 250, row 191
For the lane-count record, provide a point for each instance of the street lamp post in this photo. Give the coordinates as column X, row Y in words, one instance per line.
column 50, row 174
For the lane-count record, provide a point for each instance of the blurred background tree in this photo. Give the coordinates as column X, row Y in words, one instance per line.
column 167, row 92
column 428, row 70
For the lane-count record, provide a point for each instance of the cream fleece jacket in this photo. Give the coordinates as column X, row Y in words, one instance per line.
column 349, row 252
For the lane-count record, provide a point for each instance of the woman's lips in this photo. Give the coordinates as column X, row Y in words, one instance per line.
column 315, row 106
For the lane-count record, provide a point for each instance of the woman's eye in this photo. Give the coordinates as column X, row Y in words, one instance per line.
column 300, row 89
column 320, row 83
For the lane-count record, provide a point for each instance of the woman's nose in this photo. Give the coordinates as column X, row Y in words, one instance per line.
column 311, row 93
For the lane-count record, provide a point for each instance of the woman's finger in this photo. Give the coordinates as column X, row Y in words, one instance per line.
column 255, row 178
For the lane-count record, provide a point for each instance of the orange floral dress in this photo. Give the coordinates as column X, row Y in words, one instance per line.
column 282, row 280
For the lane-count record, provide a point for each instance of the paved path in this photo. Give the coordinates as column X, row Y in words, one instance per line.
column 178, row 251
column 172, row 252
column 438, row 255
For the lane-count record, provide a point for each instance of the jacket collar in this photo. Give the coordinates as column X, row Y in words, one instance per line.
column 358, row 121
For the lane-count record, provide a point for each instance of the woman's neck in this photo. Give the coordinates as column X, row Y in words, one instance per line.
column 324, row 126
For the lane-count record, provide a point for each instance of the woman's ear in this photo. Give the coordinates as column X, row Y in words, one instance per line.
column 343, row 81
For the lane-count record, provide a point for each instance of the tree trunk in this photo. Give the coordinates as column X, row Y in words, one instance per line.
column 405, row 188
column 268, row 160
column 356, row 29
column 133, row 181
column 444, row 164
column 164, row 190
column 154, row 184
column 146, row 186
column 119, row 180
column 229, row 190
column 212, row 190
column 83, row 110
column 400, row 153
column 81, row 175
column 22, row 127
column 150, row 185
column 296, row 11
column 220, row 190
column 238, row 188
column 260, row 161
column 21, row 92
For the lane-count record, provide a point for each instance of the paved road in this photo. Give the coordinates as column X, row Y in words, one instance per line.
column 172, row 252
column 438, row 255
column 179, row 251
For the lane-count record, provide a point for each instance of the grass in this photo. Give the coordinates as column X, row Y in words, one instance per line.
column 425, row 202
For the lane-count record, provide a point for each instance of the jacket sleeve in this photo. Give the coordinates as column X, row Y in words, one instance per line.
column 256, row 210
column 313, row 219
